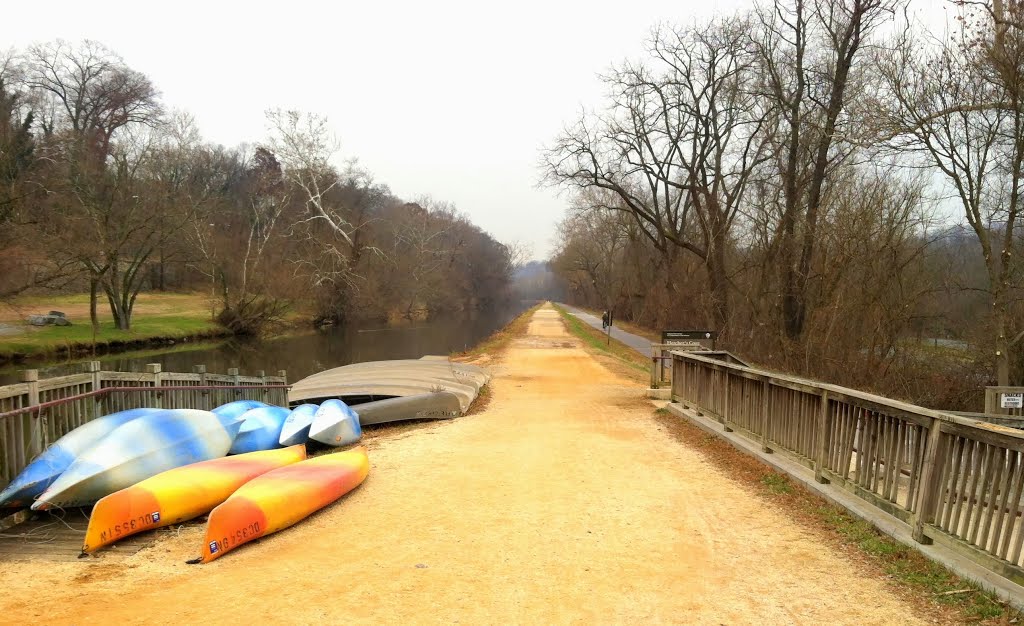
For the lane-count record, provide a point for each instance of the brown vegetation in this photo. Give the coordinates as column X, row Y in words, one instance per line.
column 102, row 189
column 792, row 175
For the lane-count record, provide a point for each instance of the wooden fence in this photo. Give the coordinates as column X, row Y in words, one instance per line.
column 35, row 413
column 993, row 404
column 954, row 480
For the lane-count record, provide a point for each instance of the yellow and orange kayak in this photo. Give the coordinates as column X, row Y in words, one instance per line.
column 179, row 494
column 281, row 498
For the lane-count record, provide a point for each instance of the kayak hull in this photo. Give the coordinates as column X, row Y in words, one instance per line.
column 55, row 460
column 261, row 429
column 335, row 424
column 137, row 450
column 296, row 425
column 179, row 494
column 281, row 498
column 237, row 408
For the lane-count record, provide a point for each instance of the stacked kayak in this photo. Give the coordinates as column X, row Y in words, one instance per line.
column 296, row 425
column 280, row 498
column 237, row 408
column 179, row 494
column 138, row 449
column 261, row 429
column 48, row 466
column 335, row 424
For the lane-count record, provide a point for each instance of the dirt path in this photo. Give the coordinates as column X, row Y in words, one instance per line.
column 562, row 502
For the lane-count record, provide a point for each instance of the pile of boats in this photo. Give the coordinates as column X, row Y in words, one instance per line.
column 244, row 462
column 148, row 468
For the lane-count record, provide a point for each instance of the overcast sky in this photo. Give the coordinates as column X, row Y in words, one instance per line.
column 448, row 99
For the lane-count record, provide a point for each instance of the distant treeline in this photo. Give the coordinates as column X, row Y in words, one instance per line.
column 835, row 189
column 104, row 189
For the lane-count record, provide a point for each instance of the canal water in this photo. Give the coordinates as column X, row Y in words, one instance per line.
column 304, row 353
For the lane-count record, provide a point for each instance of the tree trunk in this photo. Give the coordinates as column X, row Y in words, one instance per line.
column 1002, row 349
column 94, row 283
column 718, row 281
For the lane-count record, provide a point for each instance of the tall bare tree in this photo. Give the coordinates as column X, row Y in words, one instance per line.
column 677, row 145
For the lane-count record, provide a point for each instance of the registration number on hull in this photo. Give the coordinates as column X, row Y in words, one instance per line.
column 243, row 534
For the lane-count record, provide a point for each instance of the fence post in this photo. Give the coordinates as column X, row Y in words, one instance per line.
column 655, row 377
column 155, row 369
column 283, row 374
column 727, row 402
column 991, row 401
column 764, row 416
column 233, row 373
column 95, row 384
column 822, row 447
column 928, row 493
column 35, row 434
column 204, row 393
column 263, row 382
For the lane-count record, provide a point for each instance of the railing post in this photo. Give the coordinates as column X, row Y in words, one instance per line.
column 283, row 375
column 263, row 382
column 823, row 438
column 95, row 384
column 928, row 493
column 727, row 401
column 155, row 369
column 233, row 373
column 764, row 416
column 204, row 393
column 35, row 435
column 991, row 400
column 655, row 378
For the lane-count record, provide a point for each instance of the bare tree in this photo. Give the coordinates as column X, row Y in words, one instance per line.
column 677, row 145
column 958, row 108
column 809, row 52
column 86, row 96
column 305, row 146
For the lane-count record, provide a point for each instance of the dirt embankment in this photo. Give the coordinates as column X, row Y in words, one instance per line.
column 564, row 501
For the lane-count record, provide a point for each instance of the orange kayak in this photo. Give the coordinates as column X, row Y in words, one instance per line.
column 179, row 494
column 280, row 498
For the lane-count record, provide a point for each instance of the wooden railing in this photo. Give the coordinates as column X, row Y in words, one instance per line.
column 954, row 480
column 993, row 406
column 34, row 413
column 661, row 362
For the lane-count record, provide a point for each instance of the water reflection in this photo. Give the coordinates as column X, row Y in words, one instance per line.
column 305, row 354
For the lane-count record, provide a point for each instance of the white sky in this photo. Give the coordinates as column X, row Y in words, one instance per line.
column 448, row 99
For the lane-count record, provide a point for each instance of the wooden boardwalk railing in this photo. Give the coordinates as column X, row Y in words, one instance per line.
column 34, row 413
column 954, row 480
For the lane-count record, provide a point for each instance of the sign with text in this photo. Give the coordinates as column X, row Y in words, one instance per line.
column 1012, row 400
column 690, row 339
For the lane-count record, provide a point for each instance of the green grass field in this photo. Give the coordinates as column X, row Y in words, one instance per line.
column 156, row 316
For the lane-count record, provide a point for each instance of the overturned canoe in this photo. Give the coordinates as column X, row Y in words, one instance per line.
column 436, row 405
column 433, row 365
column 143, row 447
column 296, row 425
column 179, row 494
column 377, row 380
column 280, row 498
column 261, row 429
column 48, row 466
column 335, row 424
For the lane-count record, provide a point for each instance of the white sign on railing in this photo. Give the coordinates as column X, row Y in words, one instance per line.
column 1011, row 400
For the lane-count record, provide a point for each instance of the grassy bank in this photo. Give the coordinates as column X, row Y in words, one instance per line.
column 637, row 364
column 158, row 317
column 642, row 331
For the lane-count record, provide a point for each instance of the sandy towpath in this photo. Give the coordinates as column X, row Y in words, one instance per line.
column 563, row 502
